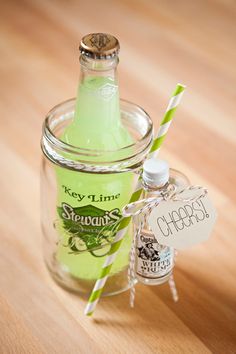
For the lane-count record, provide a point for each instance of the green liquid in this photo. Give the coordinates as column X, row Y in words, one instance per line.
column 89, row 205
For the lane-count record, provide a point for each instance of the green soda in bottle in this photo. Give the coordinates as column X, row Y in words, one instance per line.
column 89, row 204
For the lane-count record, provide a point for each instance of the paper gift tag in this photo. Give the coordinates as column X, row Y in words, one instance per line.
column 182, row 224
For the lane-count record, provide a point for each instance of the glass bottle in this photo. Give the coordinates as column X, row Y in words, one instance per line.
column 97, row 123
column 88, row 204
column 154, row 262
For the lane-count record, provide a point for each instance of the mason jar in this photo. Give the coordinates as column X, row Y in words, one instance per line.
column 82, row 194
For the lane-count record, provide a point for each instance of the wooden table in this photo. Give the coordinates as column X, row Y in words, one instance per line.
column 162, row 43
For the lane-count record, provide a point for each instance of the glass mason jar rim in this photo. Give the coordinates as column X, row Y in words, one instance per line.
column 140, row 146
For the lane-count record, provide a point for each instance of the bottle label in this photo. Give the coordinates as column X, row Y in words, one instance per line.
column 108, row 90
column 88, row 227
column 152, row 259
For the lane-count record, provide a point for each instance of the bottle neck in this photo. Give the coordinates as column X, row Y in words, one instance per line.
column 98, row 67
column 154, row 190
column 97, row 104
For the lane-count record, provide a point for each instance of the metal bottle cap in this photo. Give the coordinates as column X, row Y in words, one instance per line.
column 99, row 46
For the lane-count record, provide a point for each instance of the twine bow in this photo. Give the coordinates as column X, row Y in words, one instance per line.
column 171, row 193
column 142, row 208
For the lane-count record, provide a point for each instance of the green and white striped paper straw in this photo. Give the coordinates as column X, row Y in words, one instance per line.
column 157, row 142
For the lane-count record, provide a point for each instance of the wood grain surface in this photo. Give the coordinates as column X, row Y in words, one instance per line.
column 162, row 42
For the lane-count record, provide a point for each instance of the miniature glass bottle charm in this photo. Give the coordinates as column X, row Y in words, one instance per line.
column 154, row 262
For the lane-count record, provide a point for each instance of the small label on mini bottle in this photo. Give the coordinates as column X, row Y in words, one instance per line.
column 153, row 260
